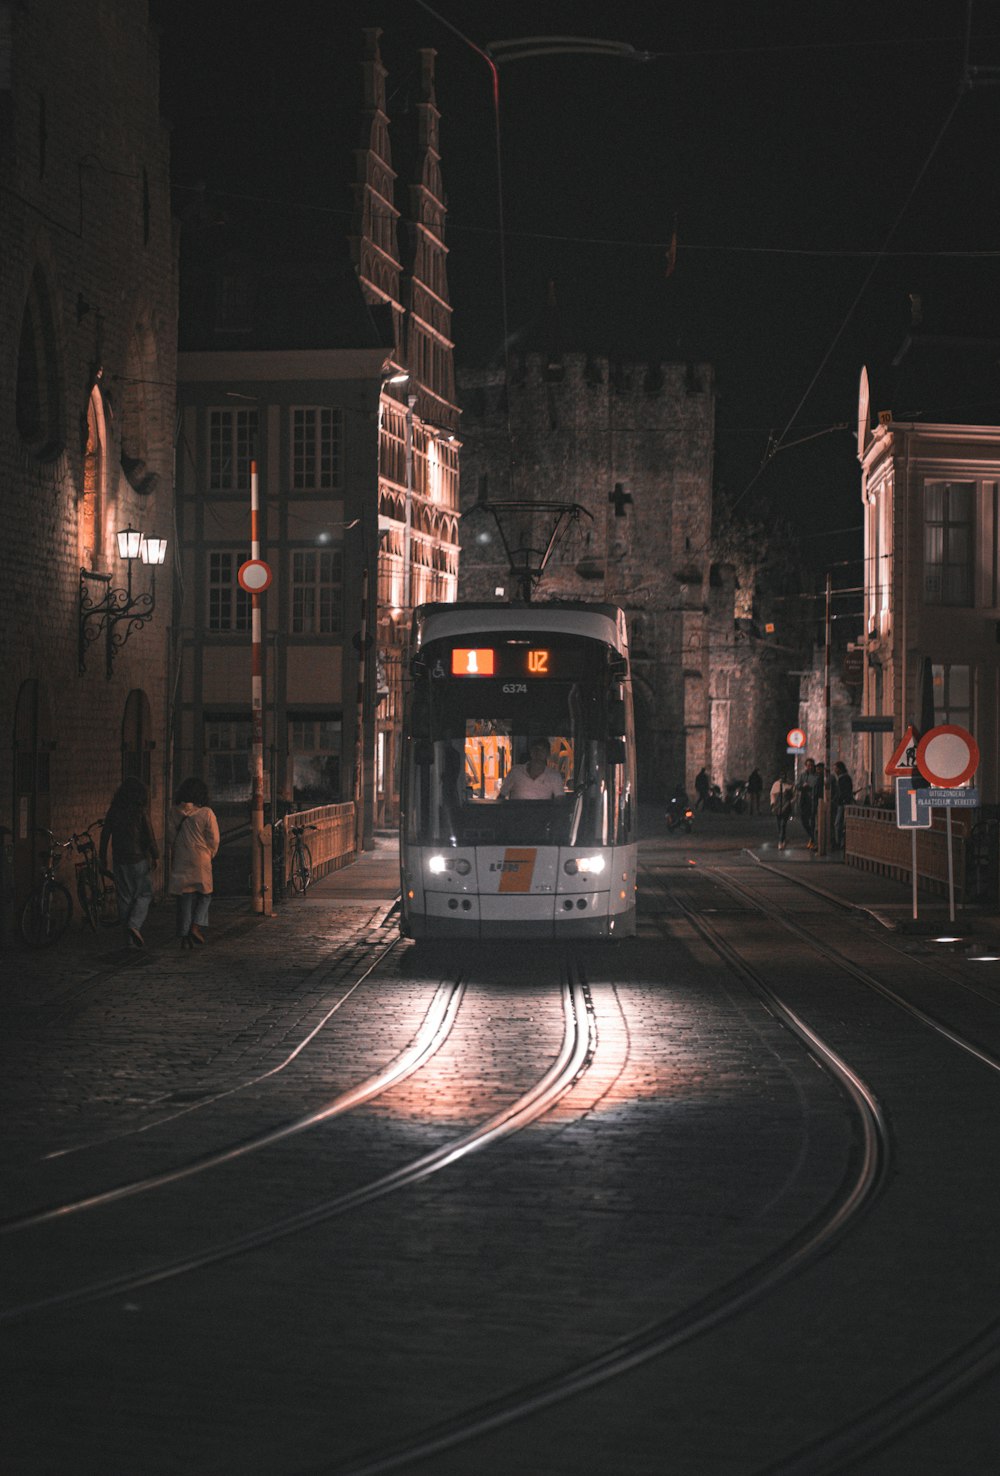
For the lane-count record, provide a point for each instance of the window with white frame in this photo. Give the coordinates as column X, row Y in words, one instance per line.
column 227, row 749
column 232, row 435
column 316, row 448
column 314, row 743
column 229, row 606
column 948, row 512
column 317, row 589
column 953, row 695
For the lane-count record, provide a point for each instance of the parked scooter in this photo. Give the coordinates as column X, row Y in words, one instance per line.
column 680, row 814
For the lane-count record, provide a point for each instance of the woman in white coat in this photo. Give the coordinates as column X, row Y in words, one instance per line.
column 194, row 833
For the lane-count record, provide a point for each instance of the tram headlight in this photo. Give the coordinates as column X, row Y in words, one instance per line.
column 589, row 865
column 438, row 865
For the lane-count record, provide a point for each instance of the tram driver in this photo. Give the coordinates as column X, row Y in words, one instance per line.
column 533, row 780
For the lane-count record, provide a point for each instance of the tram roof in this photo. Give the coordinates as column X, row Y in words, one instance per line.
column 600, row 622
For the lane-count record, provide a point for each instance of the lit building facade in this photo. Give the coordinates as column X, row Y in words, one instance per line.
column 931, row 498
column 88, row 304
column 401, row 262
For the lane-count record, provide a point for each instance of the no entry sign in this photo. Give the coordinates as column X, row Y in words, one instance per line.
column 948, row 756
column 254, row 576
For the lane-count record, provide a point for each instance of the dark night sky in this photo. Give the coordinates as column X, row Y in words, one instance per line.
column 784, row 139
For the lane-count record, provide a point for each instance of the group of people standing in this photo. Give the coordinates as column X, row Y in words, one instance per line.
column 806, row 795
column 193, row 832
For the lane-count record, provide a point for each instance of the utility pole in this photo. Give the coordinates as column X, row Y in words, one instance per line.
column 827, row 770
column 258, row 889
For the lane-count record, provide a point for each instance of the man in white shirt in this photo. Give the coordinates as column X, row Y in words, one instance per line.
column 533, row 780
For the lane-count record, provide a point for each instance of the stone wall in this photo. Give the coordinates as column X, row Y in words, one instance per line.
column 631, row 445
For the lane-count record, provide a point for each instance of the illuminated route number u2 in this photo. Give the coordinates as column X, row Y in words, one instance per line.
column 538, row 663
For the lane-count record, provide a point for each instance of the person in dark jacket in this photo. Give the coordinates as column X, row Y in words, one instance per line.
column 843, row 795
column 701, row 786
column 128, row 831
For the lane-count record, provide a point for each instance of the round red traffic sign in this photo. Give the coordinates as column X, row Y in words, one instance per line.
column 254, row 576
column 948, row 756
column 796, row 738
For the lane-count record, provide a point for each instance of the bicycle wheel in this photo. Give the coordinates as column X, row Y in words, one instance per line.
column 88, row 898
column 46, row 914
column 301, row 868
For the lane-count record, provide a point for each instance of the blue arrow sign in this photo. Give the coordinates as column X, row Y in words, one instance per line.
column 911, row 814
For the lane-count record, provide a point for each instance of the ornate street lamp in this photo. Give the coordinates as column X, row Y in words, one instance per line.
column 118, row 612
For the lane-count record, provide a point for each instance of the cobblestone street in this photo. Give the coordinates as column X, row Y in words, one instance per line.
column 312, row 1198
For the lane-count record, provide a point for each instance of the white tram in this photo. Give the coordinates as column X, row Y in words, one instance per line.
column 476, row 860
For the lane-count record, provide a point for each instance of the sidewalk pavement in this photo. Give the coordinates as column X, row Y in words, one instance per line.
column 888, row 901
column 30, row 976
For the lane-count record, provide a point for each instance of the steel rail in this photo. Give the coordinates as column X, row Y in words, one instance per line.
column 953, row 1375
column 430, row 1037
column 575, row 1054
column 834, row 955
column 242, row 1086
column 933, row 966
column 807, row 1246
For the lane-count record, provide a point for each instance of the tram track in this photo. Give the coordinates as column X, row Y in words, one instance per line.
column 950, row 1377
column 209, row 1098
column 430, row 1037
column 576, row 1051
column 863, row 976
column 868, row 1175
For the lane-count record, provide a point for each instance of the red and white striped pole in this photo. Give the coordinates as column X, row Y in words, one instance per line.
column 257, row 885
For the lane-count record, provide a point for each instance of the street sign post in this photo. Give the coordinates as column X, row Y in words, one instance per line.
column 911, row 815
column 904, row 755
column 947, row 756
column 911, row 812
column 950, row 799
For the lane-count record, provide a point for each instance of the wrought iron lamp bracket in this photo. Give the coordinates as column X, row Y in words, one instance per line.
column 117, row 614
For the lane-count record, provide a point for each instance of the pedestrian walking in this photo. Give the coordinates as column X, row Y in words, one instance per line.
column 782, row 804
column 755, row 788
column 128, row 831
column 701, row 789
column 843, row 795
column 194, row 840
column 809, row 794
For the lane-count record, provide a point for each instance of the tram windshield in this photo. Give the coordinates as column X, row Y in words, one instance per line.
column 514, row 753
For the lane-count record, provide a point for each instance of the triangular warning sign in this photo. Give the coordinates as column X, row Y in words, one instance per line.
column 904, row 758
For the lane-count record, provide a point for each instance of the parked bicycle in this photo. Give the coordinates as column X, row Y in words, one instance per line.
column 95, row 888
column 300, row 874
column 47, row 912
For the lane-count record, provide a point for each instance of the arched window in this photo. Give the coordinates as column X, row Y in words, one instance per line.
column 137, row 745
column 140, row 411
column 91, row 505
column 38, row 399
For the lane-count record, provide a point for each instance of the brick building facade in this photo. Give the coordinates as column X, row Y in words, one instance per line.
column 88, row 298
